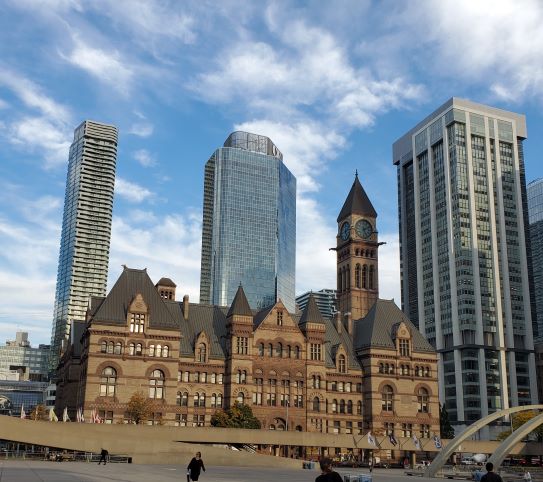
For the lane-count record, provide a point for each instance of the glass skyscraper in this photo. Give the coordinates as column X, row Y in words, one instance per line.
column 249, row 224
column 86, row 227
column 465, row 254
column 535, row 217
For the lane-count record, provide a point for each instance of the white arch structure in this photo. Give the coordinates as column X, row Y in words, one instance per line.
column 451, row 447
column 505, row 447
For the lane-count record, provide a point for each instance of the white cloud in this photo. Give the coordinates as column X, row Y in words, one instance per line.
column 141, row 129
column 131, row 191
column 145, row 158
column 166, row 245
column 107, row 66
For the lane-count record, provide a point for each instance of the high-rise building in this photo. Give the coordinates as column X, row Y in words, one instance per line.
column 464, row 249
column 535, row 218
column 28, row 363
column 249, row 224
column 86, row 227
column 326, row 301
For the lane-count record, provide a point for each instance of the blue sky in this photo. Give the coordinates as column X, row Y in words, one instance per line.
column 333, row 84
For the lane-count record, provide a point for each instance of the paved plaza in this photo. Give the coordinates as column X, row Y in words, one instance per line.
column 23, row 471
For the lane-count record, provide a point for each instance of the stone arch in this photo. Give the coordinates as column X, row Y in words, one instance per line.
column 109, row 363
column 451, row 447
column 157, row 366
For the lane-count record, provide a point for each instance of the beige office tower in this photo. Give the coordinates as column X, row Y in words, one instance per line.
column 86, row 227
column 465, row 255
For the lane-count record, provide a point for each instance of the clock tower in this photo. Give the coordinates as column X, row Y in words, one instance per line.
column 357, row 247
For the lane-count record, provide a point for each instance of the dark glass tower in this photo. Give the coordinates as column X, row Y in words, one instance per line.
column 86, row 227
column 535, row 215
column 249, row 224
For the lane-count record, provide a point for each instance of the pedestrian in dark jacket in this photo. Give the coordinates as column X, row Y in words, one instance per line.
column 194, row 467
column 103, row 456
column 328, row 475
column 490, row 475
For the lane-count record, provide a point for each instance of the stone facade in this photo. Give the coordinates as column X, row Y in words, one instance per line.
column 297, row 371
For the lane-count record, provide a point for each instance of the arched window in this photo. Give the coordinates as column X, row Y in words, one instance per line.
column 270, row 350
column 342, row 406
column 289, row 351
column 238, row 377
column 297, row 352
column 241, row 398
column 103, row 347
column 357, row 275
column 381, row 368
column 334, row 406
column 165, row 351
column 316, row 404
column 158, row 352
column 348, row 276
column 139, row 349
column 349, row 406
column 427, row 371
column 202, row 352
column 372, row 269
column 203, row 377
column 388, row 395
column 318, row 382
column 341, row 364
column 202, row 399
column 213, row 400
column 196, row 399
column 118, row 348
column 151, row 350
column 280, row 350
column 156, row 384
column 219, row 400
column 131, row 349
column 359, row 408
column 364, row 277
column 261, row 349
column 108, row 380
column 423, row 399
column 184, row 399
column 110, row 346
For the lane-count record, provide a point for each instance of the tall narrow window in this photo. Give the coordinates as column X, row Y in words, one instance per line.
column 357, row 276
column 280, row 318
column 371, row 278
column 365, row 277
column 165, row 351
column 156, row 385
column 108, row 380
column 316, row 404
column 137, row 322
column 261, row 349
column 118, row 348
column 131, row 349
column 387, row 398
column 202, row 352
column 242, row 345
column 341, row 364
column 404, row 347
column 423, row 399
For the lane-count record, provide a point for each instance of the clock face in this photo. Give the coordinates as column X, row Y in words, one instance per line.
column 345, row 231
column 364, row 229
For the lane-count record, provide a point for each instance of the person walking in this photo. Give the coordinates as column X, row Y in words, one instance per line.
column 328, row 475
column 490, row 475
column 103, row 456
column 527, row 476
column 194, row 467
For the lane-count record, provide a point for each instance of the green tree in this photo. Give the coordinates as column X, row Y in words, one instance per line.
column 238, row 416
column 445, row 427
column 519, row 419
column 139, row 408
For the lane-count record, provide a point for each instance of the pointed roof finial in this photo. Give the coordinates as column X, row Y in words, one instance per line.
column 357, row 202
column 356, row 173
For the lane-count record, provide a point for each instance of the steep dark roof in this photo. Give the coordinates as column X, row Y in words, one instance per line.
column 333, row 340
column 114, row 308
column 240, row 305
column 166, row 282
column 311, row 312
column 76, row 332
column 260, row 316
column 357, row 202
column 379, row 325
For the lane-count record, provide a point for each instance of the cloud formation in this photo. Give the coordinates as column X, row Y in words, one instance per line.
column 130, row 191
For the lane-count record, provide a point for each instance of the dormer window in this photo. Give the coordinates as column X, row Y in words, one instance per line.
column 404, row 347
column 341, row 364
column 137, row 322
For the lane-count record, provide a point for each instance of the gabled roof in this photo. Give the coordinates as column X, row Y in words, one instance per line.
column 166, row 282
column 379, row 325
column 240, row 305
column 311, row 312
column 357, row 202
column 261, row 316
column 114, row 308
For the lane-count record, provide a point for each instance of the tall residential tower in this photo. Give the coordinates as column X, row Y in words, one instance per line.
column 464, row 248
column 535, row 216
column 86, row 227
column 249, row 224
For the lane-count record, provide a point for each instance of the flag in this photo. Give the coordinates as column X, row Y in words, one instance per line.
column 78, row 415
column 52, row 415
column 93, row 416
column 65, row 417
column 371, row 439
column 81, row 416
column 437, row 442
column 96, row 417
column 393, row 440
column 23, row 414
column 416, row 441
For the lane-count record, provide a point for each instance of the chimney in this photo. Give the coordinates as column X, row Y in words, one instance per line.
column 338, row 321
column 349, row 318
column 186, row 307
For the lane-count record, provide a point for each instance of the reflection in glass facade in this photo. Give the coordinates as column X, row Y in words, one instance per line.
column 535, row 215
column 249, row 224
column 86, row 227
column 466, row 249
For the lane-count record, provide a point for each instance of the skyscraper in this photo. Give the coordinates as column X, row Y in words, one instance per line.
column 535, row 217
column 464, row 249
column 326, row 300
column 249, row 224
column 86, row 227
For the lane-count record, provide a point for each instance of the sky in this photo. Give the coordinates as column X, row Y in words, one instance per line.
column 333, row 84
